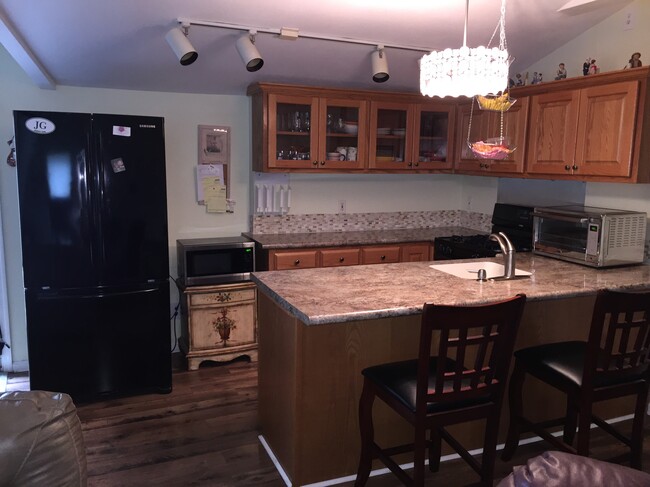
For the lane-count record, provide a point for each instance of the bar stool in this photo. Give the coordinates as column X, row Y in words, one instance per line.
column 614, row 362
column 465, row 381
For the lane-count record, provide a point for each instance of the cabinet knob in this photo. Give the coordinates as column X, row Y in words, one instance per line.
column 410, row 164
column 322, row 163
column 574, row 167
column 416, row 164
column 315, row 163
column 341, row 259
column 567, row 167
column 383, row 257
column 296, row 262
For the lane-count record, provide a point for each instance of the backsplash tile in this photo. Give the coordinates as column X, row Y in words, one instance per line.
column 369, row 221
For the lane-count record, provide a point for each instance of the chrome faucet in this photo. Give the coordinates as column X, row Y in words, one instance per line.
column 508, row 251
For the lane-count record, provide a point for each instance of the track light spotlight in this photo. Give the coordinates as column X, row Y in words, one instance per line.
column 248, row 52
column 180, row 44
column 379, row 65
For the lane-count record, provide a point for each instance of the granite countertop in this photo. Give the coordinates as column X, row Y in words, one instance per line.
column 361, row 237
column 340, row 294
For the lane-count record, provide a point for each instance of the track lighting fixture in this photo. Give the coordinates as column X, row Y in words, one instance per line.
column 248, row 52
column 180, row 44
column 380, row 72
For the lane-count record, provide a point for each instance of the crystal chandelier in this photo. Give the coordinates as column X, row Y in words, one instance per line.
column 467, row 71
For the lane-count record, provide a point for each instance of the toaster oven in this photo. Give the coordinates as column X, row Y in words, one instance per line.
column 597, row 237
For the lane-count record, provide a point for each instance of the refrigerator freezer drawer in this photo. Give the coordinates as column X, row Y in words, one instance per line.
column 97, row 346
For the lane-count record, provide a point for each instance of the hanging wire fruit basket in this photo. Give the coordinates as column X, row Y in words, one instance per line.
column 495, row 103
column 496, row 148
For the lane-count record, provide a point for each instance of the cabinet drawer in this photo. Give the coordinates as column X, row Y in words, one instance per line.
column 302, row 259
column 339, row 257
column 380, row 255
column 222, row 297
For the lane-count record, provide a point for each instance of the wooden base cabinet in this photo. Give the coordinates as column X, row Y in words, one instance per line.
column 219, row 323
column 279, row 260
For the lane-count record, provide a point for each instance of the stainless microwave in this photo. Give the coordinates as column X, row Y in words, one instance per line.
column 597, row 237
column 205, row 261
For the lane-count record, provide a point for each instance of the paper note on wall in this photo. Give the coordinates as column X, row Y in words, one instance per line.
column 215, row 196
column 204, row 172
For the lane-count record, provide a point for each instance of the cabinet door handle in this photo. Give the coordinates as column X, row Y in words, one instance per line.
column 315, row 163
column 341, row 259
column 574, row 167
column 567, row 167
column 296, row 262
column 410, row 164
column 383, row 257
column 322, row 163
column 416, row 164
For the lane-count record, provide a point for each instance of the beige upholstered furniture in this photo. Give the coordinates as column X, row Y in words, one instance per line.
column 40, row 440
column 560, row 469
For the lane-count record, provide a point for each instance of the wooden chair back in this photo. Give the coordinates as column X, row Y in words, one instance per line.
column 479, row 339
column 619, row 340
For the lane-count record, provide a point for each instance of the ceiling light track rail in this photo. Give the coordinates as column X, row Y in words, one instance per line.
column 307, row 35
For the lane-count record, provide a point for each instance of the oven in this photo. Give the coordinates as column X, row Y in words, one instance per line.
column 515, row 221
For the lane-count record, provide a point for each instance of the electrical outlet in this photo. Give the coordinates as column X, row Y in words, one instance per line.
column 628, row 21
column 341, row 206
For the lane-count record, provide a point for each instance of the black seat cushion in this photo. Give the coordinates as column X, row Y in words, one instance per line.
column 562, row 364
column 399, row 379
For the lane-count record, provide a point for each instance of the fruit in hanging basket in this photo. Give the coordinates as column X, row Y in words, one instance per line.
column 497, row 103
column 489, row 150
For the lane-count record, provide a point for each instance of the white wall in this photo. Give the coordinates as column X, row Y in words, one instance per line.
column 609, row 43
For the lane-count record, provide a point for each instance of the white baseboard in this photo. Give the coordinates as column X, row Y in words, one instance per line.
column 407, row 466
column 20, row 366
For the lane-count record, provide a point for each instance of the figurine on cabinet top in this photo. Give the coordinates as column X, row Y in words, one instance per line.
column 635, row 61
column 593, row 69
column 537, row 78
column 561, row 72
column 585, row 66
column 519, row 81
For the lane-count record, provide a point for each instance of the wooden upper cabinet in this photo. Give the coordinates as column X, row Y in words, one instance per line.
column 584, row 132
column 589, row 128
column 292, row 131
column 606, row 129
column 309, row 129
column 433, row 136
column 343, row 129
column 391, row 135
column 553, row 129
column 487, row 125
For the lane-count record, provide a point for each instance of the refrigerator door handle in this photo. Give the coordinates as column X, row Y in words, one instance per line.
column 97, row 295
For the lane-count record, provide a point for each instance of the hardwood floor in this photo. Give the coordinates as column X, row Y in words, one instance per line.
column 205, row 434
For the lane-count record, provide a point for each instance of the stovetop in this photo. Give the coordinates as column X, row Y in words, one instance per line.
column 514, row 220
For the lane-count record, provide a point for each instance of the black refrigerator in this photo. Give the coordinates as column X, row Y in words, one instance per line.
column 93, row 218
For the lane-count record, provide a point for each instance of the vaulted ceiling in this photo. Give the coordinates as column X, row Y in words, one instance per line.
column 121, row 43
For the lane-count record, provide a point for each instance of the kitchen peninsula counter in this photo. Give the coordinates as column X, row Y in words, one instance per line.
column 318, row 328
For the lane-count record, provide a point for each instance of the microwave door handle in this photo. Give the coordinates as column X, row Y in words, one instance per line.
column 565, row 218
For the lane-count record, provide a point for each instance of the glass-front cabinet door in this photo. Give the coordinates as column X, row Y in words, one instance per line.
column 293, row 131
column 342, row 132
column 434, row 125
column 391, row 130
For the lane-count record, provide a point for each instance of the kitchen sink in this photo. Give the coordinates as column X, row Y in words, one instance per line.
column 469, row 270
